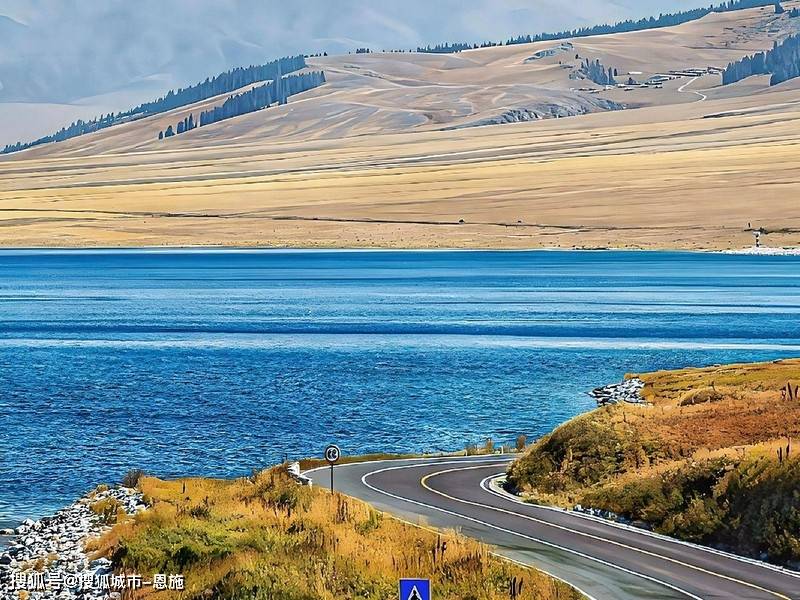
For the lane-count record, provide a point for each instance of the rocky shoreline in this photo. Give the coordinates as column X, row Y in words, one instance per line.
column 765, row 251
column 628, row 391
column 48, row 558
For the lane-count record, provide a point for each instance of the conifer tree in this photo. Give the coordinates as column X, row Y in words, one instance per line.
column 782, row 62
column 220, row 84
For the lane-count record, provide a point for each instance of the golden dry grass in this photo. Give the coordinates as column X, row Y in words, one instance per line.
column 746, row 412
column 619, row 190
column 751, row 407
column 363, row 161
column 265, row 537
column 711, row 460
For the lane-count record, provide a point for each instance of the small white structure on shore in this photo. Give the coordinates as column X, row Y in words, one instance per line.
column 294, row 471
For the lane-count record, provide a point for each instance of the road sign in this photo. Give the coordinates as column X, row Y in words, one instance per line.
column 332, row 453
column 415, row 589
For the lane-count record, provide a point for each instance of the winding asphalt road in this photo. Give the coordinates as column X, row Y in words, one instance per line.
column 603, row 560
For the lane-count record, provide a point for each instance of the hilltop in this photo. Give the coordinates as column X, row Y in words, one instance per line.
column 709, row 459
column 506, row 146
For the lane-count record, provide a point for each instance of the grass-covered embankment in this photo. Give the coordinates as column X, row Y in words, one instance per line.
column 266, row 537
column 710, row 460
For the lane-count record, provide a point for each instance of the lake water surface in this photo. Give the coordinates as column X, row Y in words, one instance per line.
column 217, row 362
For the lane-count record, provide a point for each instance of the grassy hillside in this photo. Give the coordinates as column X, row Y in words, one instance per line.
column 267, row 537
column 387, row 154
column 710, row 460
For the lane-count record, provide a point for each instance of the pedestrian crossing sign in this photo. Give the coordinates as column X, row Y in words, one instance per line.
column 415, row 589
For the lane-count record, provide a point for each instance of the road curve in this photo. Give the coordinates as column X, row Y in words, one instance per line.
column 682, row 89
column 603, row 560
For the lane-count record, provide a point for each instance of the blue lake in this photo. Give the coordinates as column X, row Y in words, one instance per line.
column 218, row 362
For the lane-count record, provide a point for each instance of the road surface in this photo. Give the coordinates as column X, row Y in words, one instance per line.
column 603, row 560
column 691, row 81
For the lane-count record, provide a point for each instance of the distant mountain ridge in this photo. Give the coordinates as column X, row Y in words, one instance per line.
column 663, row 20
column 66, row 52
column 220, row 84
column 239, row 77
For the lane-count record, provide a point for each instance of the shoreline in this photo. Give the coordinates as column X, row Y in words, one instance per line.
column 57, row 546
column 750, row 404
column 33, row 538
column 11, row 523
column 764, row 251
column 222, row 248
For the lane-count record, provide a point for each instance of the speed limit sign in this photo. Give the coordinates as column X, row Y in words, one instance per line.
column 332, row 453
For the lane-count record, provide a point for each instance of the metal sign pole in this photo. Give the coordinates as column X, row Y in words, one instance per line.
column 332, row 454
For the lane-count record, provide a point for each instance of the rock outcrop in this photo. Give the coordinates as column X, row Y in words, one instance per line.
column 627, row 391
column 577, row 106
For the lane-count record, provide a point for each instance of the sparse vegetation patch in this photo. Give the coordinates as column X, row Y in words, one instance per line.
column 710, row 459
column 266, row 537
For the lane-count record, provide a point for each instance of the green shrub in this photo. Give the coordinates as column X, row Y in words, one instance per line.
column 582, row 452
column 370, row 524
column 132, row 477
column 108, row 509
column 172, row 550
column 752, row 506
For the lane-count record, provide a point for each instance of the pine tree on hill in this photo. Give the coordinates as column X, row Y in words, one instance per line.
column 223, row 83
column 782, row 62
column 597, row 73
column 263, row 96
column 663, row 20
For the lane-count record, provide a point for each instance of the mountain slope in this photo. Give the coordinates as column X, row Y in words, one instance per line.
column 388, row 92
column 387, row 153
column 83, row 55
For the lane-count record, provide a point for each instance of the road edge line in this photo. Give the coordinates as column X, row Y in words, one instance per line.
column 541, row 521
column 498, row 491
column 522, row 535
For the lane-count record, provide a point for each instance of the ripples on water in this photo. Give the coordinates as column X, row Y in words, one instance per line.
column 190, row 362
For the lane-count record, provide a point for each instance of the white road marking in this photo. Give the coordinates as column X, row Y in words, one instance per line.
column 516, row 533
column 540, row 569
column 485, row 487
column 598, row 538
column 692, row 80
column 605, row 522
column 665, row 538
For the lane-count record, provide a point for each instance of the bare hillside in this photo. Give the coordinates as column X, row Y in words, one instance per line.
column 400, row 149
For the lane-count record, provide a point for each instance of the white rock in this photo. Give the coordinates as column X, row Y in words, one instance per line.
column 63, row 534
